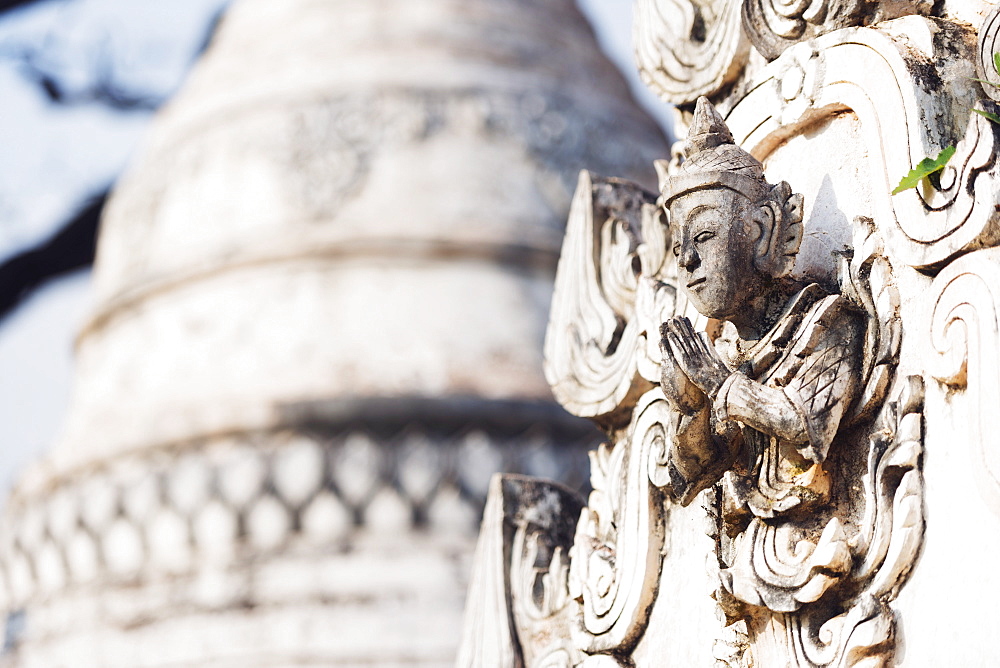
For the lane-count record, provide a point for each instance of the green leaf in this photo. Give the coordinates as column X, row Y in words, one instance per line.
column 996, row 67
column 988, row 114
column 984, row 81
column 925, row 168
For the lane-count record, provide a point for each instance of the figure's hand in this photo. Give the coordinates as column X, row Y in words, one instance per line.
column 680, row 392
column 695, row 356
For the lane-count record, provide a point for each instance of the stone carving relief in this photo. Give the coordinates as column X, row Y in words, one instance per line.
column 774, row 25
column 870, row 73
column 964, row 330
column 523, row 607
column 786, row 401
column 989, row 44
column 687, row 48
column 769, row 417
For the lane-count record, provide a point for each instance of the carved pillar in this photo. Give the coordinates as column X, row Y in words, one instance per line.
column 320, row 300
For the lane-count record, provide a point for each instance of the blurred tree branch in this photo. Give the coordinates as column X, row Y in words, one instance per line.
column 101, row 89
column 7, row 5
column 71, row 248
column 102, row 86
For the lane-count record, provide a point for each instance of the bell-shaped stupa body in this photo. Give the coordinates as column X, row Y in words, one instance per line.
column 321, row 293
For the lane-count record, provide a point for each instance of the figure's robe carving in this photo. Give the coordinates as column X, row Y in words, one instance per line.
column 808, row 365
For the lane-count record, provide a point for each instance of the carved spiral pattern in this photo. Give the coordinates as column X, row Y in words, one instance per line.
column 865, row 71
column 989, row 44
column 689, row 48
column 616, row 554
column 965, row 333
column 774, row 25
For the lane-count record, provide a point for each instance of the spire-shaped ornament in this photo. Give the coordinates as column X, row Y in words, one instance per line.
column 710, row 146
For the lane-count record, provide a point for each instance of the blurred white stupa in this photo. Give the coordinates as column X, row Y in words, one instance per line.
column 321, row 296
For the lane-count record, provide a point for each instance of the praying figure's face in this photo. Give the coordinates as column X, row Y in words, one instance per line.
column 715, row 240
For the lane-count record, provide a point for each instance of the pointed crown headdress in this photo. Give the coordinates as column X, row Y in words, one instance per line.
column 714, row 159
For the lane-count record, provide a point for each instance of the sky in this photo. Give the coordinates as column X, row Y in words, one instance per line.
column 57, row 156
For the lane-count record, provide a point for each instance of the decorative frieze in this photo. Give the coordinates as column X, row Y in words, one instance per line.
column 169, row 513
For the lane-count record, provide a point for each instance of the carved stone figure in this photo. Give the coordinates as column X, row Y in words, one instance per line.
column 769, row 414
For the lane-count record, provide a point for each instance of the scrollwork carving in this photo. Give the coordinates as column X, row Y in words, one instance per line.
column 517, row 613
column 964, row 334
column 886, row 541
column 866, row 280
column 616, row 551
column 610, row 293
column 795, row 412
column 775, row 25
column 870, row 73
column 688, row 48
column 989, row 44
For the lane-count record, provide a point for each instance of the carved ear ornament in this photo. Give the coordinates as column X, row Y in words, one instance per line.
column 788, row 235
